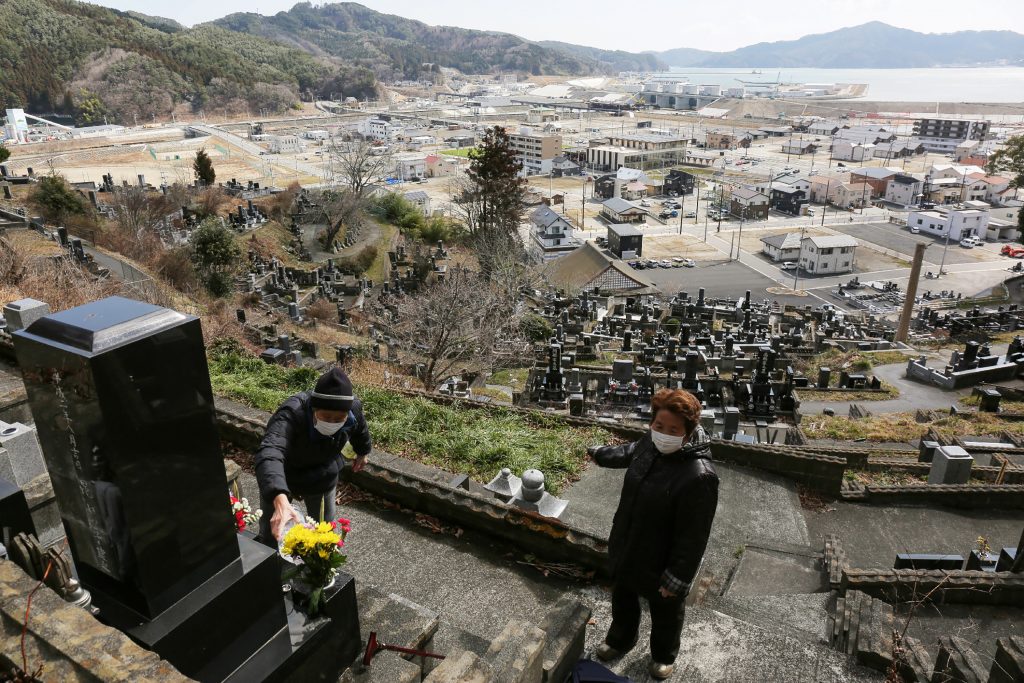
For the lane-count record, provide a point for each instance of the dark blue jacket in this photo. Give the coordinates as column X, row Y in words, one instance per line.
column 295, row 458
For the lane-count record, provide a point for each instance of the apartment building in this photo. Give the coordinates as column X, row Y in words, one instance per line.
column 536, row 151
column 945, row 135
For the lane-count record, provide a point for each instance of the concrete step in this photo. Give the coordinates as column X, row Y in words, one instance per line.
column 778, row 569
column 801, row 615
column 396, row 621
column 719, row 647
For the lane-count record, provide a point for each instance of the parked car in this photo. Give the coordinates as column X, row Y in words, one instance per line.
column 644, row 202
column 788, row 265
column 689, row 262
column 967, row 243
column 633, row 264
column 914, row 229
column 975, row 241
column 665, row 263
column 691, row 214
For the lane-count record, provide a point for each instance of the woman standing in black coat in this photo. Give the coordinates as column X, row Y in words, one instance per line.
column 661, row 526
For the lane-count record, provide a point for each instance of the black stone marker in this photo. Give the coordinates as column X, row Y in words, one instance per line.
column 121, row 396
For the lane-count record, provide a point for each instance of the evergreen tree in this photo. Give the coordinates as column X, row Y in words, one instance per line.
column 203, row 167
column 1009, row 161
column 57, row 200
column 496, row 184
column 216, row 254
column 4, row 153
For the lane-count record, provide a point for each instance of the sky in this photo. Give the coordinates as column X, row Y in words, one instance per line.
column 651, row 25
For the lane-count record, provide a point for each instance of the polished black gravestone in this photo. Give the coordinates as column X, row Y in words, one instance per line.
column 121, row 396
column 15, row 517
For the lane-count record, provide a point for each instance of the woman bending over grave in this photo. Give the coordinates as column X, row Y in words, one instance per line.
column 661, row 526
column 300, row 455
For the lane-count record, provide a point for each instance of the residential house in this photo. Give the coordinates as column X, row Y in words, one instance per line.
column 625, row 240
column 680, row 182
column 535, row 151
column 877, row 177
column 846, row 150
column 410, row 165
column 748, row 203
column 852, row 195
column 828, row 254
column 966, row 150
column 822, row 189
column 552, row 233
column 777, row 131
column 618, row 210
column 461, row 139
column 563, row 166
column 864, row 135
column 823, row 128
column 785, row 247
column 380, row 128
column 590, row 269
column 995, row 186
column 957, row 171
column 624, row 181
column 956, row 222
column 898, row 150
column 421, row 199
column 442, row 165
column 788, row 199
column 904, row 190
column 799, row 147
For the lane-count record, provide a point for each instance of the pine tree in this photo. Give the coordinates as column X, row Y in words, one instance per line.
column 496, row 184
column 4, row 153
column 203, row 167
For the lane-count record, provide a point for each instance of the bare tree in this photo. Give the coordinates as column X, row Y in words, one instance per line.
column 136, row 213
column 460, row 323
column 360, row 164
column 338, row 208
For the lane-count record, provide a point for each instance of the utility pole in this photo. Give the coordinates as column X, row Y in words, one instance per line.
column 796, row 271
column 824, row 206
column 903, row 330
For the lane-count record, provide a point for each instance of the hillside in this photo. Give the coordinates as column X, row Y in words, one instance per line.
column 100, row 64
column 397, row 48
column 871, row 45
column 611, row 61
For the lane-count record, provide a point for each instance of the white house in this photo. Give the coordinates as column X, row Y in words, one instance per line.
column 784, row 247
column 409, row 165
column 421, row 199
column 904, row 190
column 552, row 234
column 380, row 129
column 957, row 222
column 827, row 254
column 847, row 150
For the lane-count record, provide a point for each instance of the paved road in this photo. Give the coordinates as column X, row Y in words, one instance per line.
column 257, row 151
column 898, row 238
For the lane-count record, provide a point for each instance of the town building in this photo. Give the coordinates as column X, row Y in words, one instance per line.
column 536, row 151
column 877, row 177
column 442, row 165
column 864, row 135
column 285, row 144
column 785, row 247
column 380, row 128
column 561, row 165
column 904, row 190
column 590, row 269
column 410, row 165
column 749, row 204
column 552, row 233
column 799, row 147
column 625, row 240
column 647, row 150
column 420, row 199
column 719, row 140
column 822, row 189
column 898, row 150
column 944, row 135
column 847, row 150
column 852, row 195
column 618, row 210
column 679, row 182
column 956, row 221
column 827, row 254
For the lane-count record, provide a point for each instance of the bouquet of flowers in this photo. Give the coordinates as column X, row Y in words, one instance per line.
column 244, row 514
column 315, row 547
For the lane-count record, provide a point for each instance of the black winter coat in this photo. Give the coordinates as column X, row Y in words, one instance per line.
column 294, row 457
column 663, row 521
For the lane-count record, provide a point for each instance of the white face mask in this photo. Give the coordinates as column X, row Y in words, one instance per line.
column 328, row 428
column 666, row 443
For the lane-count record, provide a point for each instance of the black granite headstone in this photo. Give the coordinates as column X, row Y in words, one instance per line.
column 15, row 517
column 124, row 411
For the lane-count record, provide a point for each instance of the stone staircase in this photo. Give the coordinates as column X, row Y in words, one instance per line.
column 521, row 653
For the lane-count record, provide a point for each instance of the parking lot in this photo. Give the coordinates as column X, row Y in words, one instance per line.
column 899, row 238
column 722, row 279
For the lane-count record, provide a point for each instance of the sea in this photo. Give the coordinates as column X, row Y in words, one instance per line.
column 953, row 84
